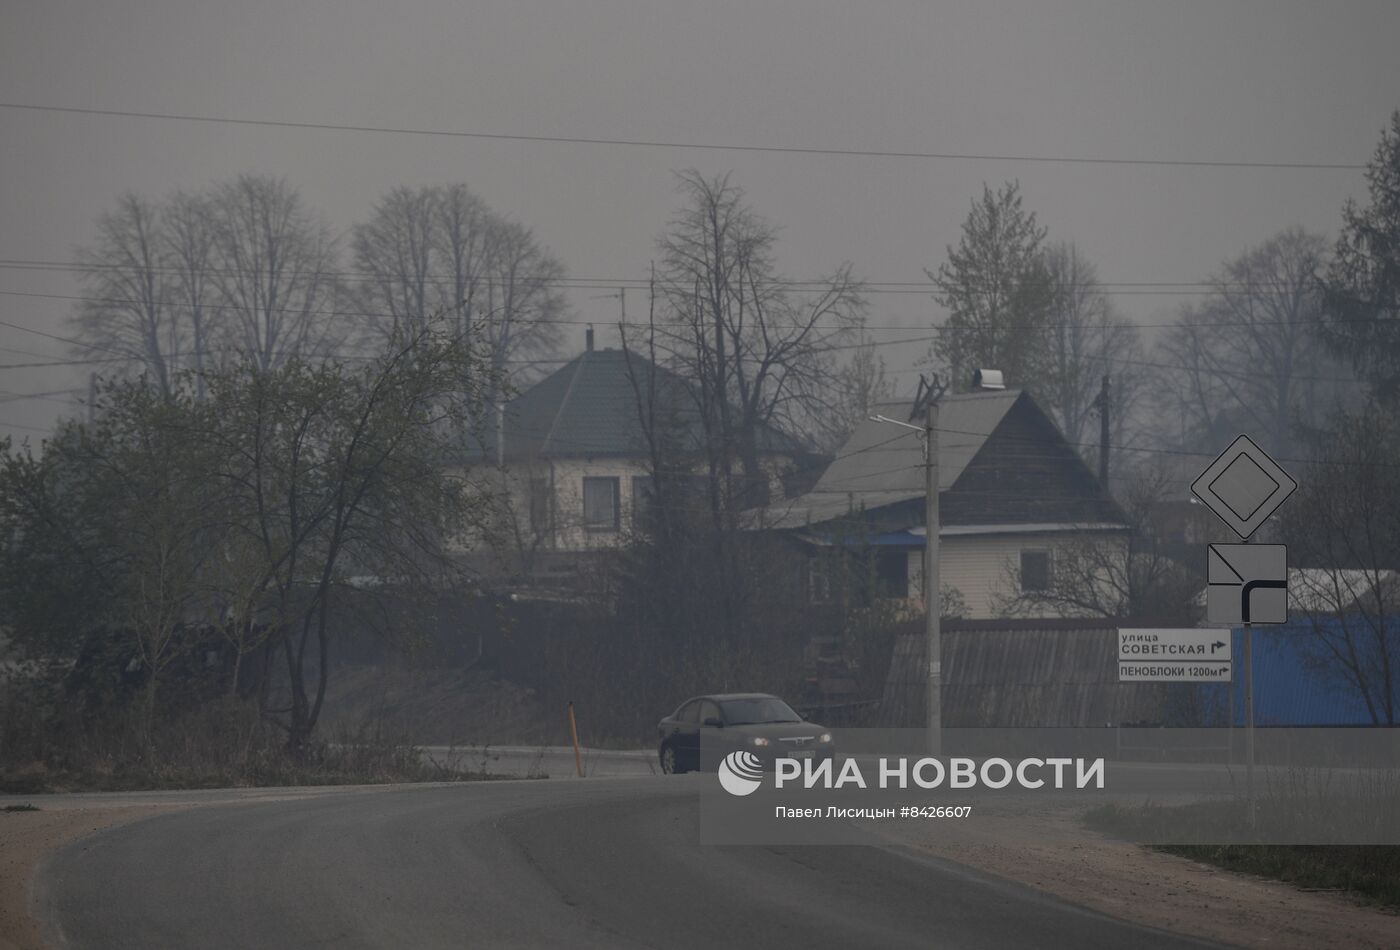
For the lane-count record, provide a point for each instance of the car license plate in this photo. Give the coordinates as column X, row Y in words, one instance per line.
column 804, row 754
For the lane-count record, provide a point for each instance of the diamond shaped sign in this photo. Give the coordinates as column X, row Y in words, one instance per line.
column 1243, row 486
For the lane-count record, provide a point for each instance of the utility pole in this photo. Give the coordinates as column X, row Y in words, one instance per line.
column 933, row 633
column 1103, row 433
column 927, row 399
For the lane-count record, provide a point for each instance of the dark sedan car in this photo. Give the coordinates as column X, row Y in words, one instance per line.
column 755, row 722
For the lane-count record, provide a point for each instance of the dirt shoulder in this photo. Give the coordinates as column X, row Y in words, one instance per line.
column 1049, row 850
column 25, row 837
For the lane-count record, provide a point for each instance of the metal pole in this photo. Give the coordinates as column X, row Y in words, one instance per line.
column 573, row 734
column 932, row 584
column 1103, row 433
column 1249, row 721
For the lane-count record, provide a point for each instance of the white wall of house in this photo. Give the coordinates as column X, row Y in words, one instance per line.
column 572, row 531
column 983, row 567
column 568, row 529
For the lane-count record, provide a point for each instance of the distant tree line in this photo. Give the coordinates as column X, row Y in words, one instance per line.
column 245, row 270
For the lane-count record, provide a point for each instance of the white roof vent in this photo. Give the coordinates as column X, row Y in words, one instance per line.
column 988, row 379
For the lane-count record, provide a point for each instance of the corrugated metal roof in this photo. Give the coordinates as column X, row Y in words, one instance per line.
column 1022, row 677
column 1065, row 676
column 883, row 464
column 881, row 458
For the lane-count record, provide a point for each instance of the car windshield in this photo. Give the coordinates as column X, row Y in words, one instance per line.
column 743, row 712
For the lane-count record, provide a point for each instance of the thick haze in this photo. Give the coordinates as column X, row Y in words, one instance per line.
column 1253, row 82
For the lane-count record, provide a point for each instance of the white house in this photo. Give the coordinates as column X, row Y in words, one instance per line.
column 573, row 455
column 1011, row 492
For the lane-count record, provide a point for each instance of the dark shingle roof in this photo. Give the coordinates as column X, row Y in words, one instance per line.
column 589, row 407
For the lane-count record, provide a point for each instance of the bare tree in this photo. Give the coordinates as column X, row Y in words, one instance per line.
column 756, row 350
column 1345, row 530
column 189, row 247
column 274, row 272
column 127, row 307
column 855, row 387
column 1087, row 339
column 464, row 226
column 396, row 255
column 524, row 299
column 441, row 250
column 1249, row 355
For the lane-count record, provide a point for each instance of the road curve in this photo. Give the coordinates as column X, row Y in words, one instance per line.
column 611, row 863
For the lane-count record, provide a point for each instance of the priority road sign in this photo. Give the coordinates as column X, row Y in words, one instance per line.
column 1243, row 486
column 1246, row 583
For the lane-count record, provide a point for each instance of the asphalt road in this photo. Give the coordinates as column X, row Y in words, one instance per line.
column 598, row 863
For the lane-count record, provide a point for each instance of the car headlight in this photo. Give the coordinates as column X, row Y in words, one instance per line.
column 759, row 741
column 824, row 737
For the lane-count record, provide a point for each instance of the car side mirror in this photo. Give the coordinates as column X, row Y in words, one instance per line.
column 712, row 721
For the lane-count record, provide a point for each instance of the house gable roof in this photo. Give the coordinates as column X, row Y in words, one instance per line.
column 1001, row 460
column 588, row 407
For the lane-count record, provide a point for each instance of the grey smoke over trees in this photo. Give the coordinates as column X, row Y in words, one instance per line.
column 246, row 268
column 759, row 350
column 129, row 308
column 442, row 250
column 183, row 283
column 1249, row 354
column 1086, row 339
column 997, row 290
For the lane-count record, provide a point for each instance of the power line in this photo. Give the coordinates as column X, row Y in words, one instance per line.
column 14, row 396
column 602, row 283
column 16, row 425
column 664, row 144
column 127, row 301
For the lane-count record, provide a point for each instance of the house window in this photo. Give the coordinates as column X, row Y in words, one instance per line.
column 600, row 496
column 643, row 497
column 818, row 587
column 892, row 573
column 1035, row 571
column 539, row 505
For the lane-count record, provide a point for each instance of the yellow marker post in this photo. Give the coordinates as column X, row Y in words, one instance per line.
column 573, row 734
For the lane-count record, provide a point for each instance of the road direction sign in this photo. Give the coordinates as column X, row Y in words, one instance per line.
column 1132, row 671
column 1246, row 583
column 1190, row 655
column 1243, row 486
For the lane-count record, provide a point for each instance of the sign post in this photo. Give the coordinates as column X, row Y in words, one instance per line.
column 1246, row 584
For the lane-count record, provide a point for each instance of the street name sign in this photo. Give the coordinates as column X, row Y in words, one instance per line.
column 1246, row 583
column 1188, row 655
column 1243, row 486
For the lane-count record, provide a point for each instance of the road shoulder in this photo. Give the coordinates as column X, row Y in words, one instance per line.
column 1049, row 850
column 25, row 838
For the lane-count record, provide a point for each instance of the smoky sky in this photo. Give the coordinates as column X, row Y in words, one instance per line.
column 1246, row 82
